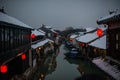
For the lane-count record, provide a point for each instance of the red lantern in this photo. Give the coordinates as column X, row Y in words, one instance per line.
column 55, row 34
column 33, row 36
column 99, row 32
column 3, row 69
column 23, row 56
column 82, row 44
column 86, row 45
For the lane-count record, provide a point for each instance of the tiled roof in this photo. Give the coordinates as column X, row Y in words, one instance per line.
column 11, row 20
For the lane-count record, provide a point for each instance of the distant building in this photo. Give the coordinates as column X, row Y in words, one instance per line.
column 112, row 21
column 15, row 46
column 73, row 40
column 50, row 33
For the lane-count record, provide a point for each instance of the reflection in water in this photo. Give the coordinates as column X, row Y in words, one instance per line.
column 58, row 67
column 45, row 67
column 88, row 70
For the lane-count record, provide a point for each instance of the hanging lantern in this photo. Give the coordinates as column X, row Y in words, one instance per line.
column 55, row 34
column 99, row 32
column 86, row 45
column 3, row 69
column 82, row 44
column 23, row 56
column 33, row 36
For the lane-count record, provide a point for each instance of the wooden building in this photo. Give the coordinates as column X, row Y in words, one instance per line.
column 40, row 46
column 15, row 46
column 112, row 21
column 50, row 33
column 86, row 42
column 37, row 49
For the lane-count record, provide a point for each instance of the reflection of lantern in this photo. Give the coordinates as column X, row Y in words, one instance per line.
column 79, row 43
column 86, row 45
column 99, row 32
column 23, row 56
column 3, row 69
column 33, row 36
column 39, row 48
column 55, row 34
column 82, row 44
column 42, row 75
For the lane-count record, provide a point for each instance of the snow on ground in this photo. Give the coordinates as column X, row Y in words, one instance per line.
column 108, row 68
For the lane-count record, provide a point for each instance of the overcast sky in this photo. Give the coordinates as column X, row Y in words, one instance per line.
column 59, row 13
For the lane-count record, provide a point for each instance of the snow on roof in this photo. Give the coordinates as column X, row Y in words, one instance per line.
column 49, row 27
column 11, row 20
column 41, row 43
column 106, row 17
column 111, row 16
column 90, row 29
column 73, row 36
column 89, row 36
column 103, row 28
column 99, row 43
column 53, row 30
column 37, row 32
column 108, row 68
column 41, row 31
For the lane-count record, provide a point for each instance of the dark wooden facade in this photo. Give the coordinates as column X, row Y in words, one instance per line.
column 114, row 39
column 113, row 35
column 14, row 41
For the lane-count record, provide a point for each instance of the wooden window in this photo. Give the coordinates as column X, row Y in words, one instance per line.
column 117, row 46
column 11, row 38
column 116, row 36
column 1, row 39
column 6, row 46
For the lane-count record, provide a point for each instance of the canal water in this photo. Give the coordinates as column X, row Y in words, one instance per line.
column 57, row 67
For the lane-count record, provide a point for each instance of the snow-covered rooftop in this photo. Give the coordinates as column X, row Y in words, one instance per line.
column 37, row 32
column 90, row 29
column 106, row 17
column 49, row 27
column 109, row 17
column 108, row 68
column 88, row 37
column 41, row 31
column 53, row 30
column 73, row 36
column 41, row 43
column 99, row 43
column 11, row 20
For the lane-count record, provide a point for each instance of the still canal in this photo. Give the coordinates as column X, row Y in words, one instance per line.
column 57, row 67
